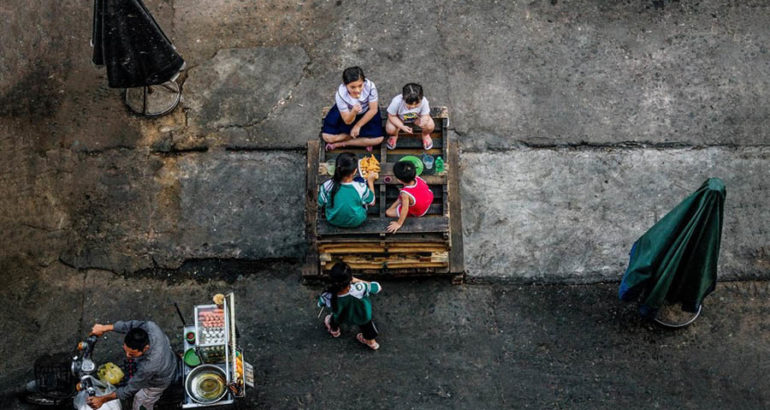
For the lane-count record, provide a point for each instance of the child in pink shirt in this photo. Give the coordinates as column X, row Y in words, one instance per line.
column 414, row 199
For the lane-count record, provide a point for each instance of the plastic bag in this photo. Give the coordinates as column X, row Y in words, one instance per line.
column 101, row 389
column 110, row 373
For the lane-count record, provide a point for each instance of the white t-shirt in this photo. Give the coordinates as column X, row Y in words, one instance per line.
column 398, row 107
column 345, row 102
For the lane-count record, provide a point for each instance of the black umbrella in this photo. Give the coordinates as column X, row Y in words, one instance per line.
column 129, row 42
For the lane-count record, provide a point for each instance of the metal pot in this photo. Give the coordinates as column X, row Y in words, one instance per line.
column 206, row 384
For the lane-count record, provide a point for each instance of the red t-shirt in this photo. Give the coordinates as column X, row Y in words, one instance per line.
column 422, row 196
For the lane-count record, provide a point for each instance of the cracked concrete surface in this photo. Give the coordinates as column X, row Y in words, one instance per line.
column 580, row 124
column 521, row 79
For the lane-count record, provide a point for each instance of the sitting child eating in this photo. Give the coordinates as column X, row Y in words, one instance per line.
column 345, row 199
column 414, row 199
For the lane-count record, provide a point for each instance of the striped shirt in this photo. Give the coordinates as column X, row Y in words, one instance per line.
column 345, row 102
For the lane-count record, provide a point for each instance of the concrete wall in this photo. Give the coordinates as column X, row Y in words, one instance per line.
column 580, row 124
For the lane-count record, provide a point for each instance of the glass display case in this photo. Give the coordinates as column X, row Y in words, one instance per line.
column 215, row 370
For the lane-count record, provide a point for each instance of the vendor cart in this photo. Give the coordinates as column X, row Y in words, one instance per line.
column 215, row 372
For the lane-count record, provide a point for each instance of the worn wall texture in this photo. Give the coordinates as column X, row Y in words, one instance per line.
column 580, row 123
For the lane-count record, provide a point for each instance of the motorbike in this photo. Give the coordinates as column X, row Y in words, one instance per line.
column 59, row 382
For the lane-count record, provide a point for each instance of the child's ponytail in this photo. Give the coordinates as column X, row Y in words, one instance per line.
column 340, row 276
column 346, row 164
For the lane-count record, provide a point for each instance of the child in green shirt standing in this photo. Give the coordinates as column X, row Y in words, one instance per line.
column 348, row 299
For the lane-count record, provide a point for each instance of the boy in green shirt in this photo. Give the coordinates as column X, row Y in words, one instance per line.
column 348, row 299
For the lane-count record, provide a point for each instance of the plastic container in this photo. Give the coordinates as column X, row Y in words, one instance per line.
column 190, row 337
column 428, row 160
column 439, row 164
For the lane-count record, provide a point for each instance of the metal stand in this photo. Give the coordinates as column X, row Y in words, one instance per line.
column 674, row 325
column 153, row 100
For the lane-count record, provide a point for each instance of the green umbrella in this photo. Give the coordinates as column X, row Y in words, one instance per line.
column 676, row 260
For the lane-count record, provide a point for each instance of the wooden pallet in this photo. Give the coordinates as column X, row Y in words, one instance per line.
column 428, row 245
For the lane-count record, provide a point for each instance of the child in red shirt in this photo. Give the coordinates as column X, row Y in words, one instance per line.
column 414, row 199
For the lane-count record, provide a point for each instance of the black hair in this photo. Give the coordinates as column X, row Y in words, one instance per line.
column 136, row 339
column 404, row 170
column 353, row 74
column 412, row 93
column 340, row 276
column 346, row 164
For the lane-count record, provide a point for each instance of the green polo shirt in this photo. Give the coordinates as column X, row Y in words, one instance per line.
column 350, row 200
column 353, row 307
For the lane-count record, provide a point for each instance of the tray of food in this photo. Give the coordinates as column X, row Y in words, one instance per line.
column 367, row 165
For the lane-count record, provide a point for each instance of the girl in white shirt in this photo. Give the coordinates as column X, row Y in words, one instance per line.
column 411, row 107
column 354, row 120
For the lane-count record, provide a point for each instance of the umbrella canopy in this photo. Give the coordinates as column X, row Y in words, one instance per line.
column 130, row 43
column 676, row 260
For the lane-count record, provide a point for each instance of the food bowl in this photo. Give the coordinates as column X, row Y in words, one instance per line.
column 206, row 384
column 418, row 166
column 191, row 358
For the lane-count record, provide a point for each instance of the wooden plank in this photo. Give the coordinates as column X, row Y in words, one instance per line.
column 414, row 151
column 388, row 171
column 456, row 258
column 426, row 249
column 438, row 111
column 414, row 141
column 391, row 250
column 385, row 264
column 311, row 267
column 435, row 209
column 379, row 225
column 381, row 244
column 390, row 239
column 432, row 237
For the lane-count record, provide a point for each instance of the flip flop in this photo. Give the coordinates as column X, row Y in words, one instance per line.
column 328, row 324
column 391, row 145
column 369, row 148
column 330, row 147
column 430, row 142
column 373, row 346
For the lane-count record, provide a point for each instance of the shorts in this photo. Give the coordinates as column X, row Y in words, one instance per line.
column 411, row 212
column 333, row 124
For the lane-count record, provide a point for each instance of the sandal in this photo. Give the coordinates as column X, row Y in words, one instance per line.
column 427, row 142
column 391, row 144
column 373, row 345
column 328, row 323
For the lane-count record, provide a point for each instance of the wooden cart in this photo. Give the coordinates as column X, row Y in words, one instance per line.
column 428, row 245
